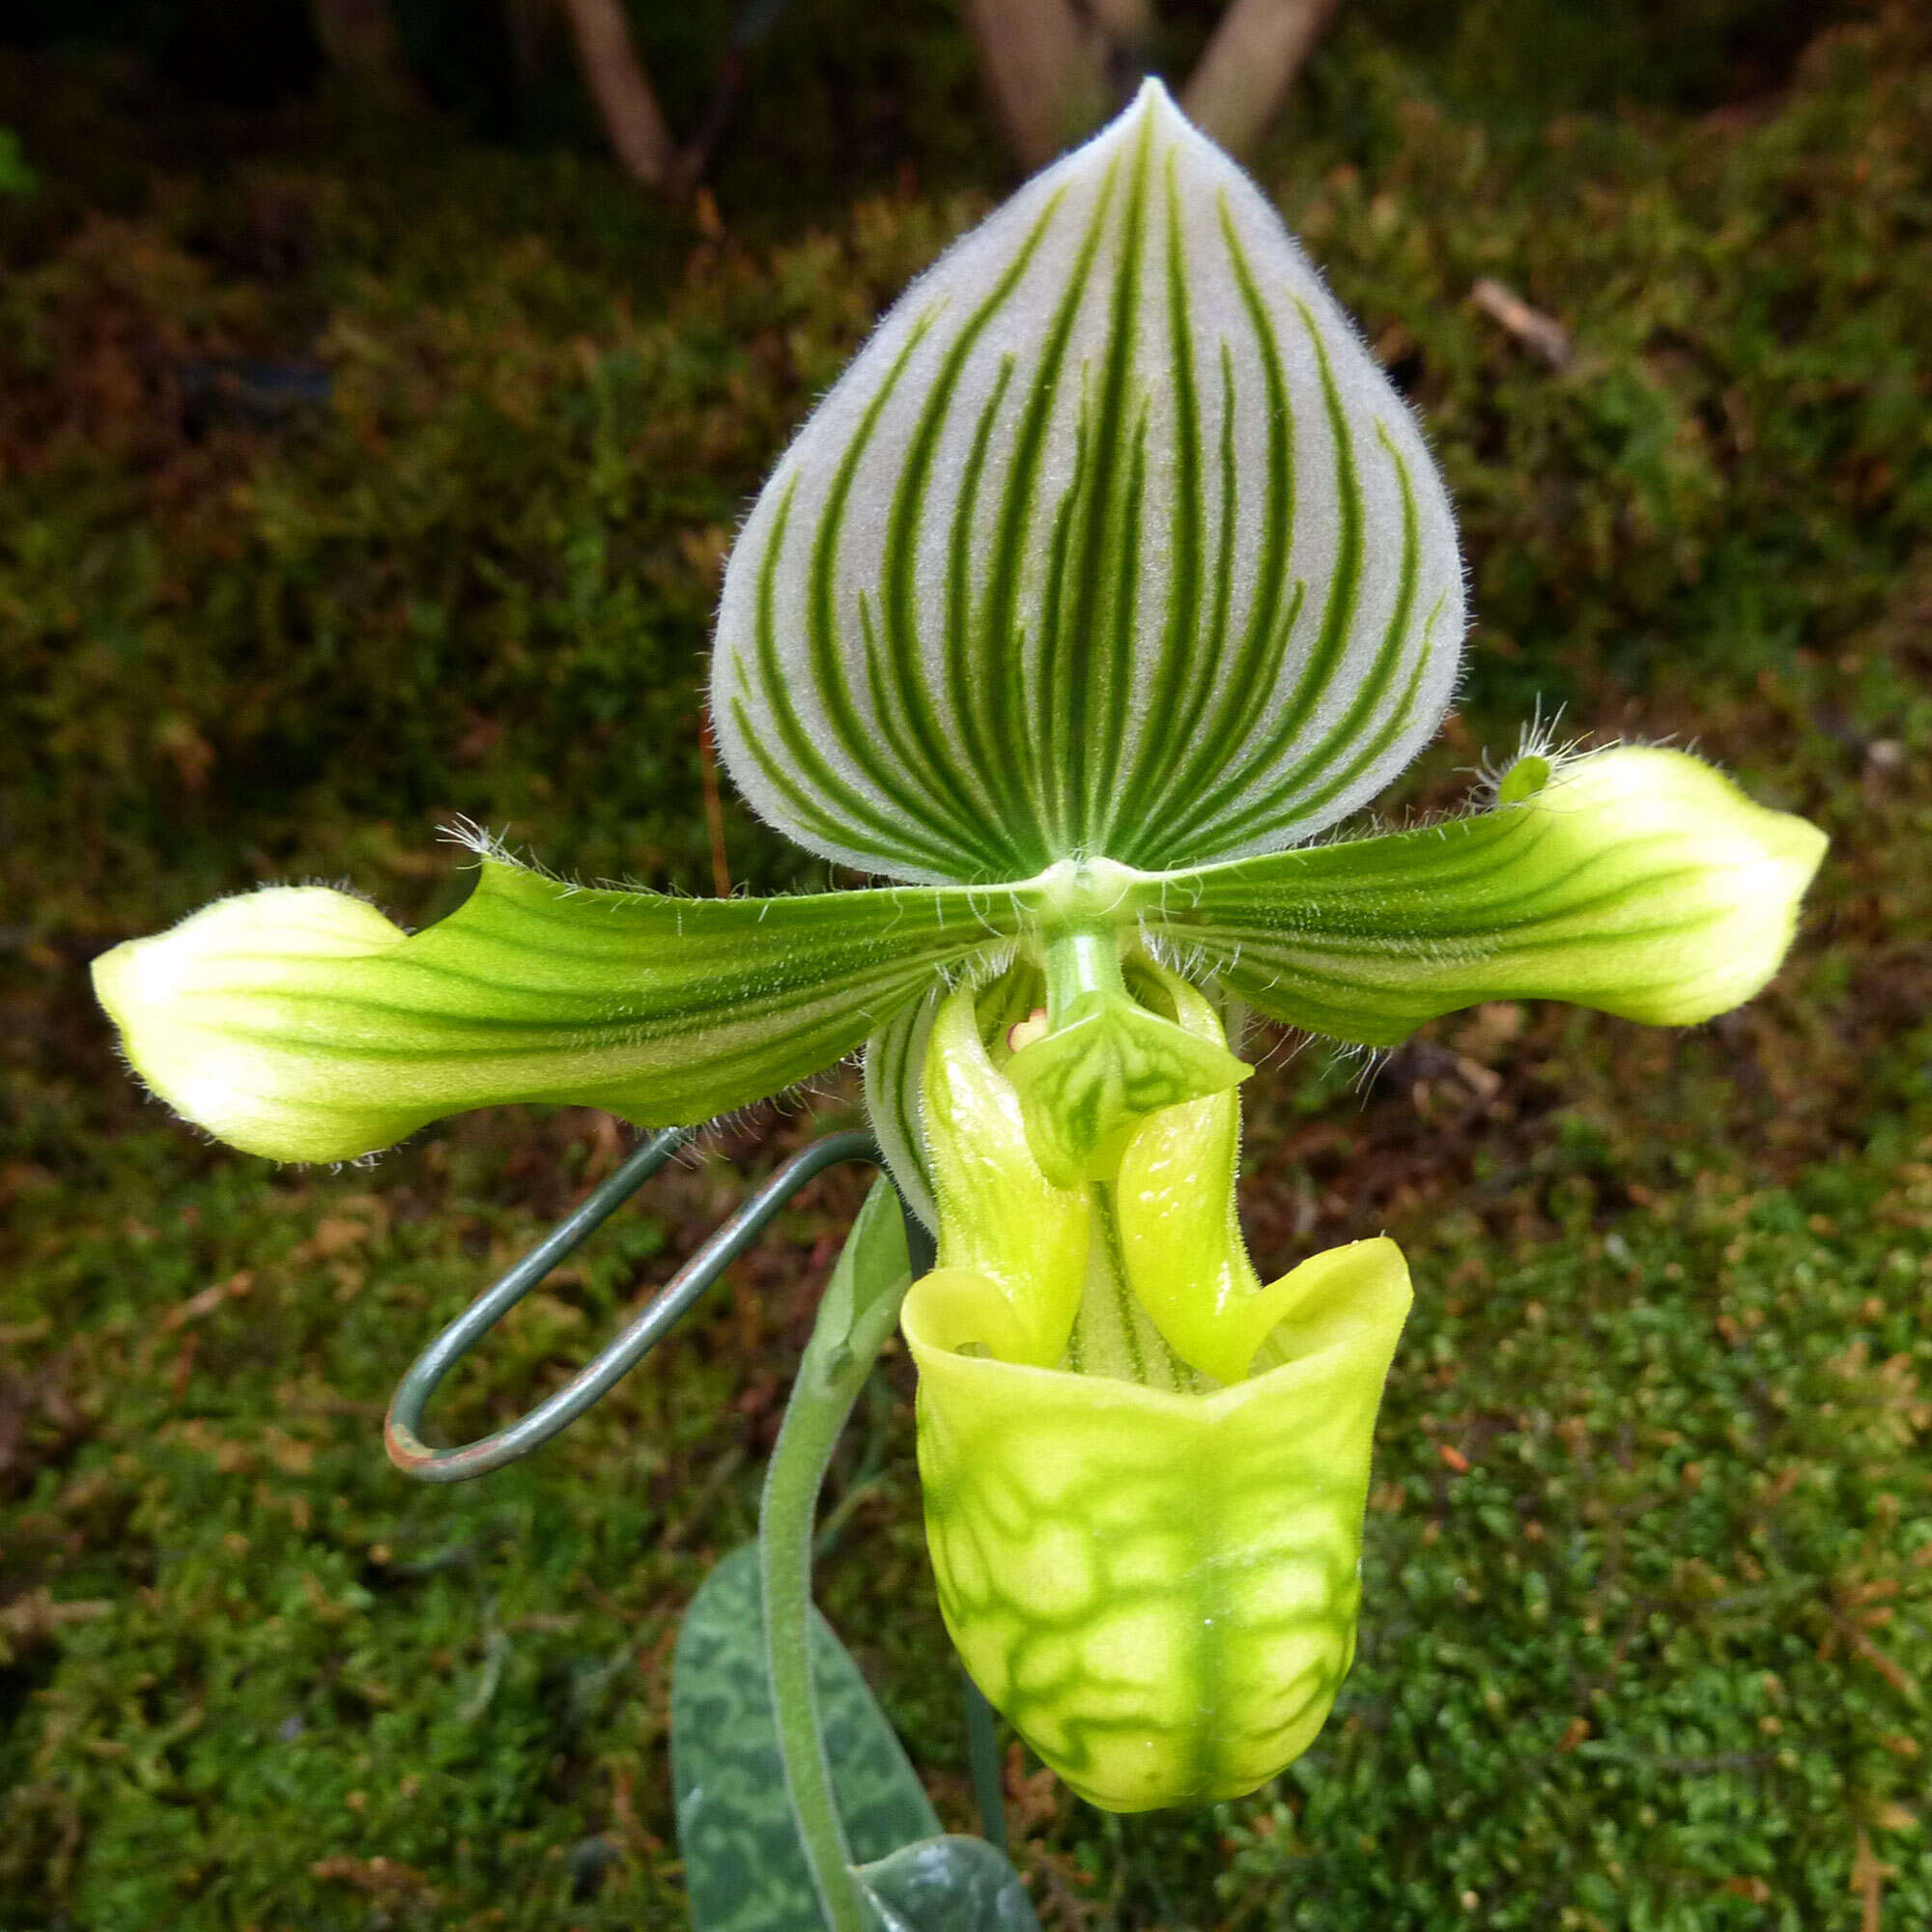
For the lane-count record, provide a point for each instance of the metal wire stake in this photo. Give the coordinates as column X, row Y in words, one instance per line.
column 402, row 1431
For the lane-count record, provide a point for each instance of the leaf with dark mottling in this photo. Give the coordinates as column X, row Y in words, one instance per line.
column 947, row 1884
column 744, row 1866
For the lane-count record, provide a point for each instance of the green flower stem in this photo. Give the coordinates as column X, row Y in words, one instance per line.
column 982, row 1753
column 845, row 1341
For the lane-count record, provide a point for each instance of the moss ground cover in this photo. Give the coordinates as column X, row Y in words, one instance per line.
column 1648, row 1620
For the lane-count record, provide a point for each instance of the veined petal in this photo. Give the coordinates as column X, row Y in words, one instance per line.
column 1638, row 881
column 299, row 1023
column 1157, row 1589
column 1114, row 540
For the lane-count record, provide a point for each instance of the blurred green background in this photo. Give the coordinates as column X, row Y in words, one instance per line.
column 362, row 467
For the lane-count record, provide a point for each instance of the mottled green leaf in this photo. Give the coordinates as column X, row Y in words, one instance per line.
column 745, row 1869
column 947, row 1884
column 1114, row 541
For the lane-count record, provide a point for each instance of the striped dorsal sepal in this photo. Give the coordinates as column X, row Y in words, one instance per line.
column 1114, row 541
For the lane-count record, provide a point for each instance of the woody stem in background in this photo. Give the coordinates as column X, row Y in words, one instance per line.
column 1244, row 75
column 638, row 135
column 1056, row 68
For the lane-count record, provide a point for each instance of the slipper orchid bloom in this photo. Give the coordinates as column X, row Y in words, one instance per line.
column 1110, row 574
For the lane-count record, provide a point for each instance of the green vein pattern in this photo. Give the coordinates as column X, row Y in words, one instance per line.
column 1638, row 881
column 1158, row 1590
column 1113, row 542
column 895, row 1056
column 298, row 1023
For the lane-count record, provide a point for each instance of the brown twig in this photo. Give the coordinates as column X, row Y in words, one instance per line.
column 1542, row 333
column 1868, row 1877
column 359, row 39
column 1041, row 65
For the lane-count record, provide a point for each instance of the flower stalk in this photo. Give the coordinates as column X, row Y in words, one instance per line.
column 859, row 1311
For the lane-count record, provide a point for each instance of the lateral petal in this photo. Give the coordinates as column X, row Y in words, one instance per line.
column 299, row 1023
column 1638, row 881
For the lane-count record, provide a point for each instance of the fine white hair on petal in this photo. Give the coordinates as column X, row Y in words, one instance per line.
column 1113, row 541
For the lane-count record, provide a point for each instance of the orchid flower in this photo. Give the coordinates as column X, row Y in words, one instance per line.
column 1110, row 577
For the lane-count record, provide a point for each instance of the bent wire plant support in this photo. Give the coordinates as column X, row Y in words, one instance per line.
column 768, row 1713
column 1110, row 578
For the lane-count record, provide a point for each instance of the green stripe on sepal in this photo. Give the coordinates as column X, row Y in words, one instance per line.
column 894, row 1059
column 1638, row 881
column 1157, row 1589
column 300, row 1024
column 1114, row 541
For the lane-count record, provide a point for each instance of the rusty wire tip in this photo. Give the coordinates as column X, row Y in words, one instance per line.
column 402, row 1436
